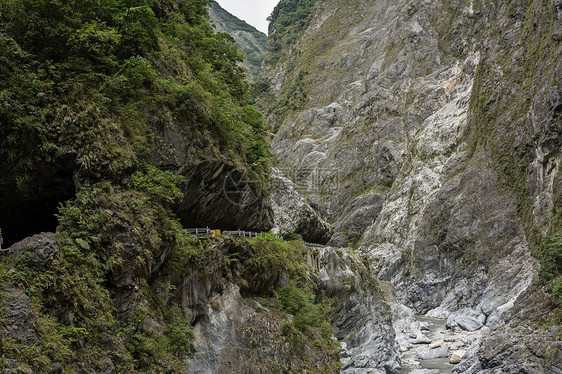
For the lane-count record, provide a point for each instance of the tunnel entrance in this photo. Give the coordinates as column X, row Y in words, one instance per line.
column 26, row 214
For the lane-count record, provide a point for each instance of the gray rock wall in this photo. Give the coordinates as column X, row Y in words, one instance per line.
column 361, row 315
column 236, row 334
column 440, row 123
column 292, row 214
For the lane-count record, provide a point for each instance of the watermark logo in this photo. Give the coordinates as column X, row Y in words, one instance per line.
column 324, row 181
column 241, row 187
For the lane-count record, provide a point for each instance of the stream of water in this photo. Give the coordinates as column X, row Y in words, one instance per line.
column 411, row 362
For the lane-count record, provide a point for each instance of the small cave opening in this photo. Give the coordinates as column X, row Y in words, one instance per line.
column 25, row 214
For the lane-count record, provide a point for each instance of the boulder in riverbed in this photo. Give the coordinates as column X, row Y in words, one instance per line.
column 466, row 320
column 421, row 339
column 468, row 323
column 435, row 353
column 436, row 344
column 457, row 356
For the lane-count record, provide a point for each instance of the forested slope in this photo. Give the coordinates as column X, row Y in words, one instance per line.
column 250, row 41
column 109, row 110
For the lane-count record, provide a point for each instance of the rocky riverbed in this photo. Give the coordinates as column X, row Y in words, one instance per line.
column 427, row 346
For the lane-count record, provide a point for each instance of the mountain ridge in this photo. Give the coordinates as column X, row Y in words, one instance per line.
column 249, row 40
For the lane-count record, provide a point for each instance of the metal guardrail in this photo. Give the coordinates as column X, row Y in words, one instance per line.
column 207, row 231
column 198, row 231
column 246, row 234
column 313, row 245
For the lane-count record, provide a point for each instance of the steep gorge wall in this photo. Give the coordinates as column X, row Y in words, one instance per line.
column 439, row 123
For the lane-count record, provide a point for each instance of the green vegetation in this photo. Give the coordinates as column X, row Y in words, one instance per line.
column 550, row 260
column 82, row 280
column 89, row 85
column 151, row 349
column 96, row 74
column 247, row 38
column 265, row 260
column 502, row 122
column 159, row 185
column 258, row 266
column 271, row 254
column 288, row 20
column 108, row 231
column 310, row 53
column 311, row 321
column 295, row 97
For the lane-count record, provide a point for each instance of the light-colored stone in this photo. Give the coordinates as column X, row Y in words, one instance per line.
column 455, row 346
column 435, row 353
column 293, row 214
column 468, row 323
column 448, row 235
column 434, row 345
column 362, row 318
column 421, row 339
column 457, row 356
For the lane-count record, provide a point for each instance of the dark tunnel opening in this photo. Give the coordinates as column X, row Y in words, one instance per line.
column 24, row 215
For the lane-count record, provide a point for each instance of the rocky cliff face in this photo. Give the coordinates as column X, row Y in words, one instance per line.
column 236, row 334
column 432, row 133
column 361, row 315
column 293, row 214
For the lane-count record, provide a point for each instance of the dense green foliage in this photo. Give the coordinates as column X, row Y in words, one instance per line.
column 311, row 321
column 269, row 253
column 83, row 280
column 109, row 232
column 96, row 73
column 159, row 185
column 289, row 19
column 86, row 84
column 550, row 259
